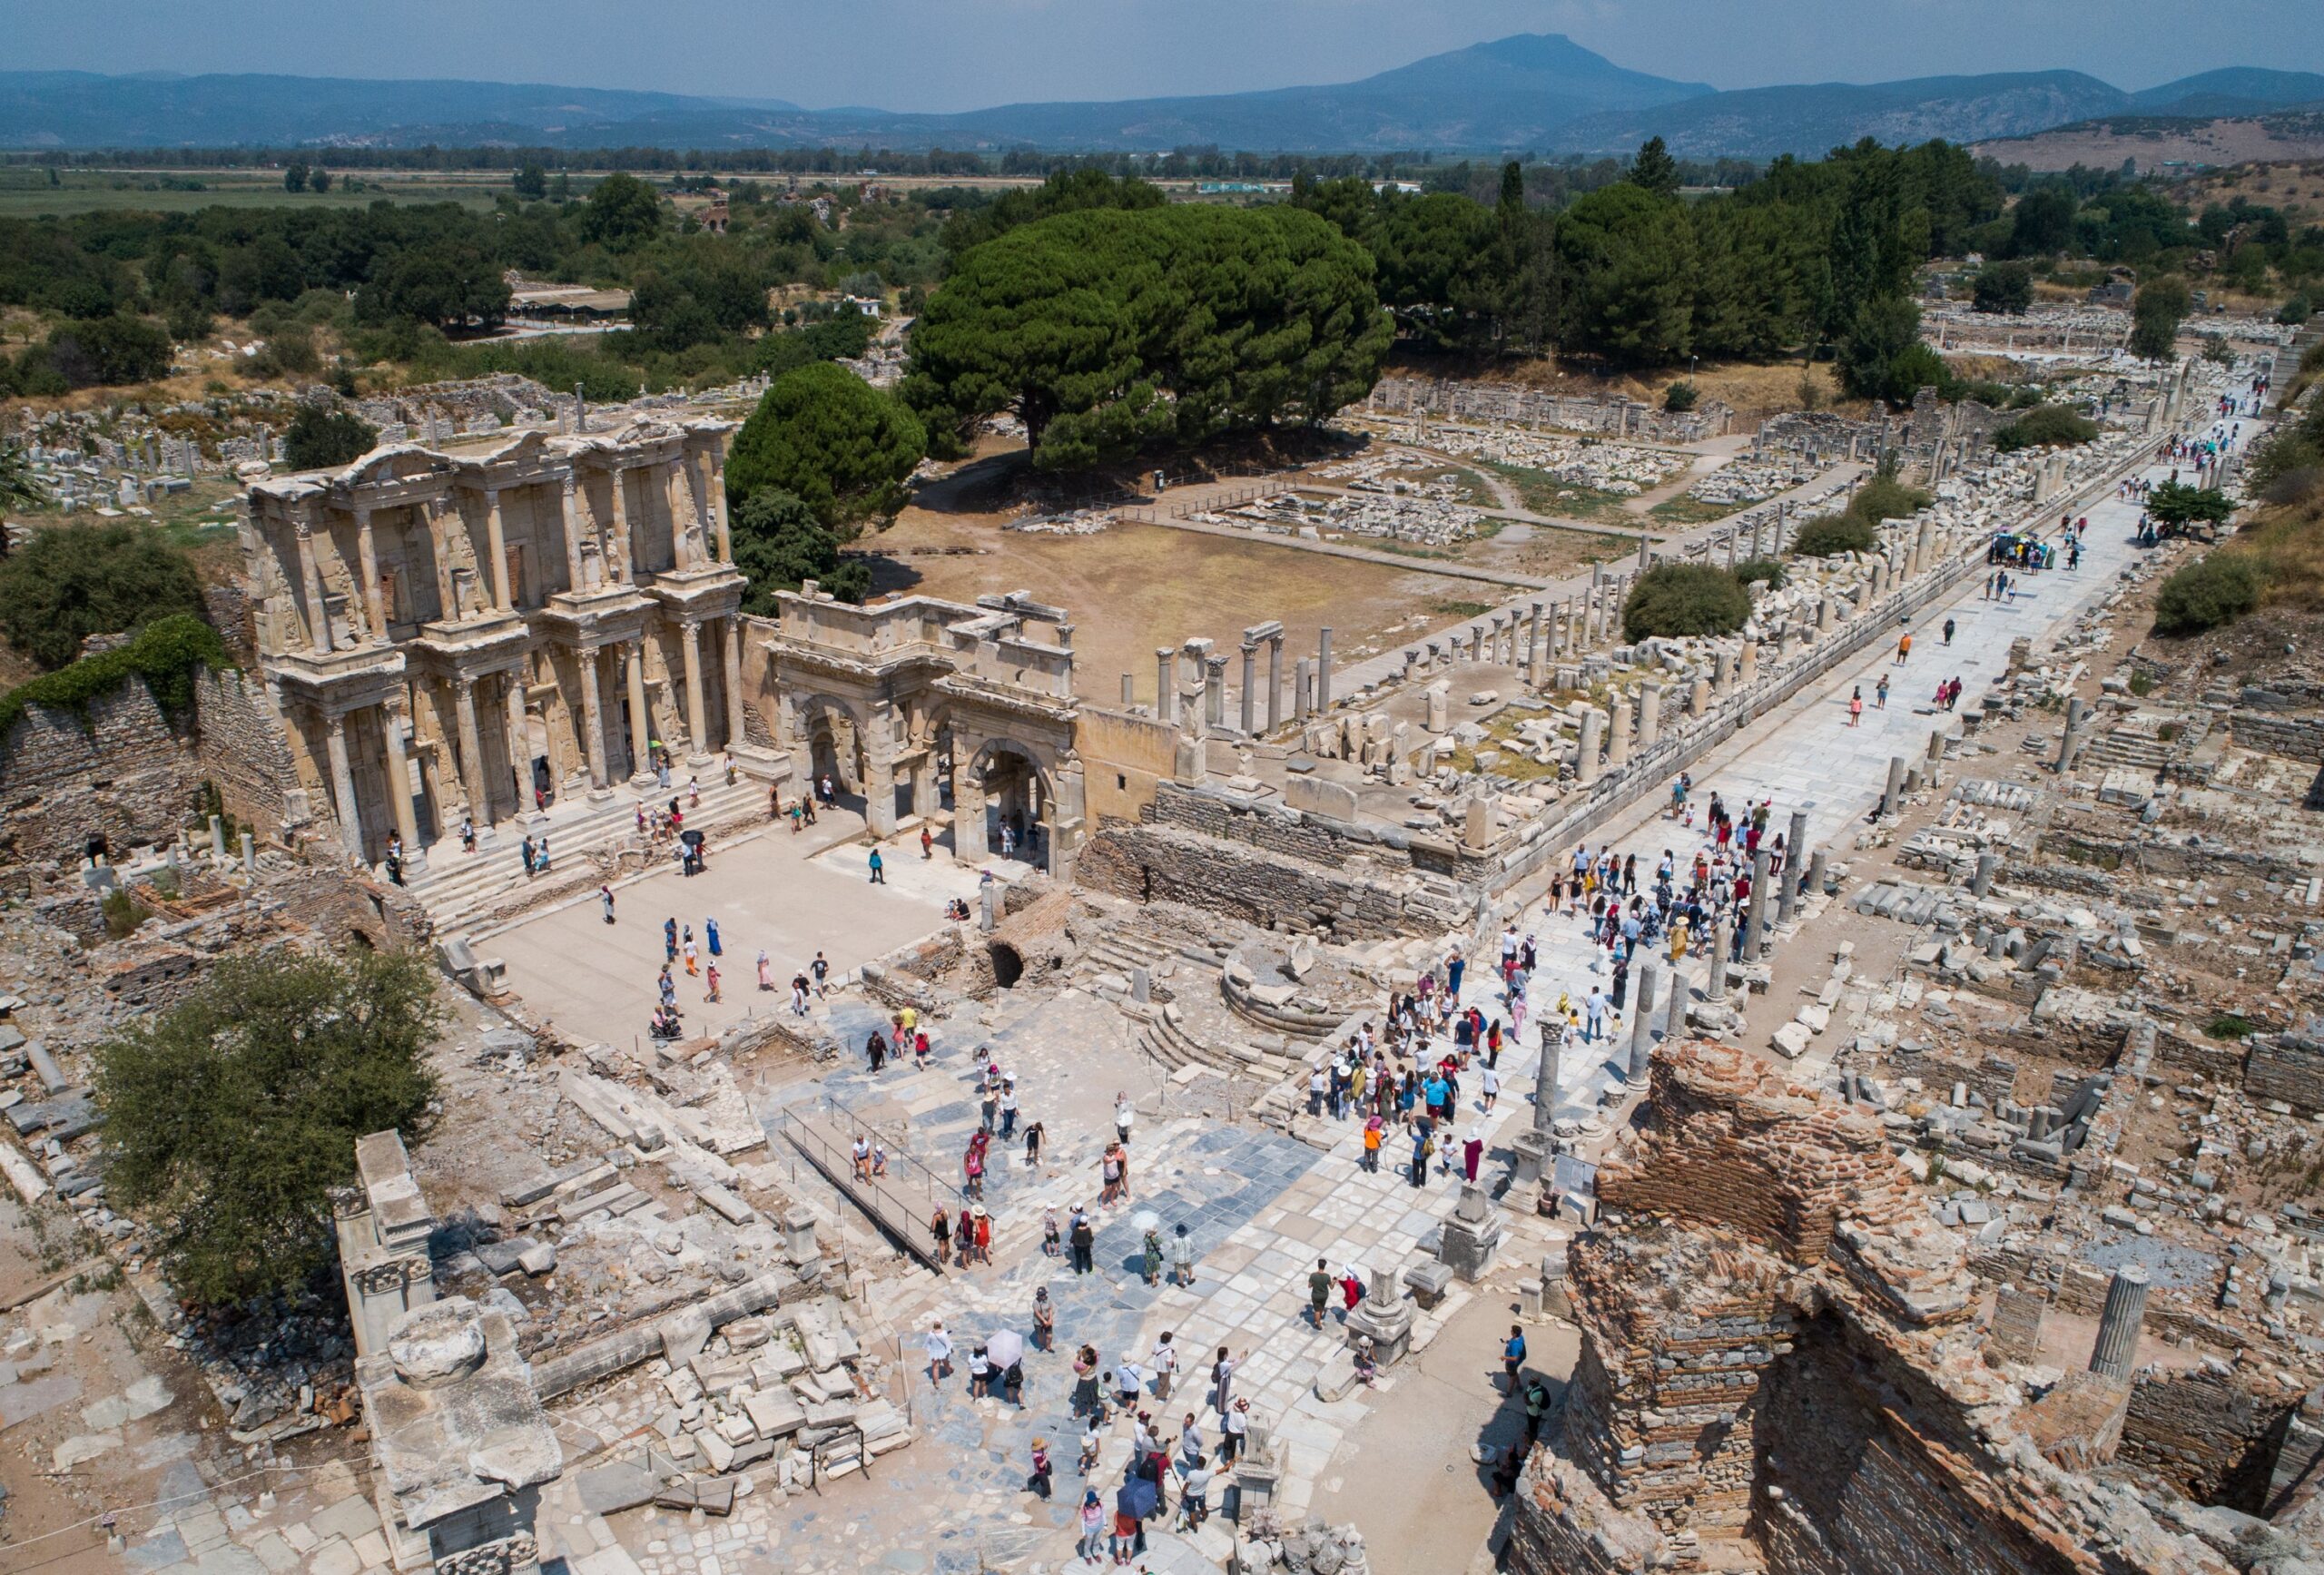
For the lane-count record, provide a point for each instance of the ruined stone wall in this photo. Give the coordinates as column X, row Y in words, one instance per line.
column 240, row 744
column 2207, row 1436
column 2298, row 737
column 1153, row 863
column 2288, row 1065
column 120, row 772
column 1863, row 1472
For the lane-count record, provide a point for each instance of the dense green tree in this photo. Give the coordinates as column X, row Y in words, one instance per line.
column 779, row 543
column 447, row 283
column 699, row 299
column 530, row 181
column 2042, row 224
column 1654, row 170
column 294, row 178
column 1882, row 357
column 1628, row 256
column 828, row 437
column 232, row 1117
column 1103, row 329
column 621, row 213
column 71, row 582
column 107, row 351
column 320, row 438
column 2003, row 288
column 2156, row 312
column 1832, row 534
column 2176, row 504
column 319, row 180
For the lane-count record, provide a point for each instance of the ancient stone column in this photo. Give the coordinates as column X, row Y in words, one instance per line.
column 731, row 650
column 1323, row 668
column 1822, row 614
column 1649, row 715
column 1716, row 988
column 640, row 724
column 1214, row 691
column 1748, row 664
column 1795, row 853
column 472, row 754
column 1699, row 697
column 1643, row 1022
column 1982, row 881
column 1250, row 702
column 1593, row 726
column 1674, row 1011
column 2070, row 743
column 1275, row 681
column 520, row 756
column 342, row 785
column 1547, row 1075
column 1165, row 683
column 1722, row 673
column 725, row 527
column 1755, row 922
column 1129, row 691
column 593, row 722
column 1816, row 868
column 391, row 730
column 496, row 536
column 1893, row 798
column 616, row 478
column 318, row 639
column 1617, row 734
column 374, row 600
column 697, row 730
column 1303, row 690
column 568, row 501
column 2117, row 1349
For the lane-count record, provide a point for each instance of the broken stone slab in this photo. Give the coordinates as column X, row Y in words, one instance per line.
column 1791, row 1040
column 610, row 1488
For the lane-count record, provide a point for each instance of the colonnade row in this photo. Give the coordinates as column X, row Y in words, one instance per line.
column 483, row 763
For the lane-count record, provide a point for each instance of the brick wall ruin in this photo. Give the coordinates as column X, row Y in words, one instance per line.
column 2207, row 1435
column 1780, row 1369
column 2298, row 737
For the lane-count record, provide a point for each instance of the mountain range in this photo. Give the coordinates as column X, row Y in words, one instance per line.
column 1533, row 92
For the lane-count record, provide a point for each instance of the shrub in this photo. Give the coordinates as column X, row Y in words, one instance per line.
column 318, row 438
column 2044, row 426
column 74, row 581
column 2207, row 593
column 2297, row 310
column 1886, row 497
column 1833, row 535
column 123, row 913
column 1681, row 397
column 165, row 656
column 1752, row 570
column 1679, row 599
column 2003, row 286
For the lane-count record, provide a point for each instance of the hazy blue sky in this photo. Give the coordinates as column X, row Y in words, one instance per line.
column 951, row 54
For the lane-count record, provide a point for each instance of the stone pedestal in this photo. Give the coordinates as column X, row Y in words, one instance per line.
column 1384, row 1318
column 1471, row 1236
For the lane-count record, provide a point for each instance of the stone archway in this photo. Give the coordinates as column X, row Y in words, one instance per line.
column 827, row 738
column 1002, row 799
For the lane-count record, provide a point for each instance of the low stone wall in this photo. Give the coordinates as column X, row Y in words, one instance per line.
column 2298, row 737
column 1155, row 863
column 2289, row 1066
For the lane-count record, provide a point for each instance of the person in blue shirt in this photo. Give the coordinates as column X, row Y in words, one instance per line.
column 1513, row 1354
column 1454, row 967
column 710, row 937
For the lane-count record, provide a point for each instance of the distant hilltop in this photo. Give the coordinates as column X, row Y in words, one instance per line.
column 1537, row 92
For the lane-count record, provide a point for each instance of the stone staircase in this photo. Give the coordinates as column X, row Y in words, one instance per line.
column 2288, row 358
column 473, row 895
column 1124, row 947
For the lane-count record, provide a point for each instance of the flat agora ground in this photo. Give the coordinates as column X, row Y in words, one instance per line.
column 1133, row 587
column 789, row 895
